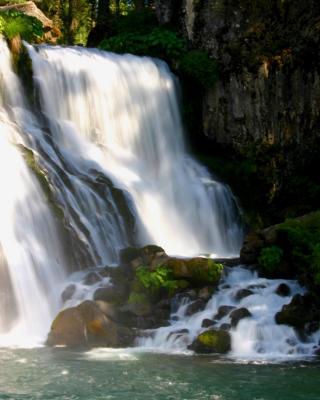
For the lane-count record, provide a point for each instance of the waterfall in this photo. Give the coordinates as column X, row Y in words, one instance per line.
column 31, row 261
column 110, row 170
column 120, row 116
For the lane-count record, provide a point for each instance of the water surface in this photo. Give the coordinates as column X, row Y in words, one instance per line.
column 120, row 374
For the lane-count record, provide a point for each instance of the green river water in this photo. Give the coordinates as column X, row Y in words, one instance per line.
column 102, row 374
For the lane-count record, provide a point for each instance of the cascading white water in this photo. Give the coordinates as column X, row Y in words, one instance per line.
column 31, row 260
column 255, row 337
column 120, row 113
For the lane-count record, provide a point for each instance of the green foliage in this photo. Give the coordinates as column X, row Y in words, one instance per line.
column 296, row 250
column 159, row 278
column 270, row 258
column 301, row 238
column 14, row 23
column 198, row 65
column 133, row 22
column 159, row 42
column 168, row 45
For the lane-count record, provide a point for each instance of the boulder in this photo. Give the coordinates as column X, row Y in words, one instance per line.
column 283, row 290
column 301, row 310
column 223, row 311
column 206, row 323
column 212, row 341
column 239, row 314
column 199, row 271
column 111, row 294
column 195, row 306
column 87, row 326
column 242, row 293
column 225, row 327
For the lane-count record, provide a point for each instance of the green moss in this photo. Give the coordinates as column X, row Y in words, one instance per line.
column 204, row 271
column 216, row 341
column 42, row 179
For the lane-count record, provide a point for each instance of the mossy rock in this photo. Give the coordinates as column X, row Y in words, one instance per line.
column 198, row 271
column 212, row 341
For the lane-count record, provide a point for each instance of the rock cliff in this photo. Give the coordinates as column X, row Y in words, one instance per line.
column 268, row 92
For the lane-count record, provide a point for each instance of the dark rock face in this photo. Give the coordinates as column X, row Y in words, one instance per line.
column 238, row 315
column 299, row 312
column 267, row 93
column 212, row 341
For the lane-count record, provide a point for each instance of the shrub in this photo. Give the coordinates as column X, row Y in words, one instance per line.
column 198, row 65
column 270, row 258
column 14, row 23
column 166, row 44
column 160, row 278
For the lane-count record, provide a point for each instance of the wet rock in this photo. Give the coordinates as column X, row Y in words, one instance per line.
column 142, row 256
column 91, row 278
column 111, row 294
column 212, row 341
column 283, row 290
column 68, row 292
column 225, row 327
column 239, row 314
column 223, row 311
column 108, row 309
column 206, row 293
column 301, row 310
column 206, row 323
column 317, row 351
column 138, row 309
column 251, row 248
column 178, row 333
column 242, row 293
column 87, row 326
column 196, row 306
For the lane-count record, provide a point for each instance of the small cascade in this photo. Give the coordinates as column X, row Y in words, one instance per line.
column 119, row 116
column 257, row 337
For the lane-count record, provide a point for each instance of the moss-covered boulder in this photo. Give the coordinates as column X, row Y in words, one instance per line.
column 212, row 341
column 87, row 326
column 198, row 271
